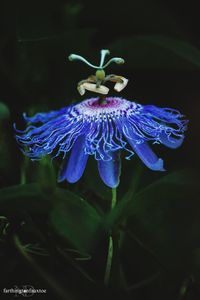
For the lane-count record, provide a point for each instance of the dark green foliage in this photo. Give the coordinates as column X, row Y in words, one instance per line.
column 55, row 236
column 155, row 51
column 73, row 218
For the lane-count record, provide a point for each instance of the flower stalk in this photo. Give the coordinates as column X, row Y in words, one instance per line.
column 109, row 261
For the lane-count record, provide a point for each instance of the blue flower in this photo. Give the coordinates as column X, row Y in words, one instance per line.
column 101, row 129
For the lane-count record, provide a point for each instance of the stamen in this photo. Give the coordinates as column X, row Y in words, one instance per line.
column 119, row 86
column 102, row 89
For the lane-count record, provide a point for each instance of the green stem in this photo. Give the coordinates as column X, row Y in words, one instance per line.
column 102, row 100
column 110, row 245
column 114, row 198
column 23, row 176
column 23, row 171
column 63, row 294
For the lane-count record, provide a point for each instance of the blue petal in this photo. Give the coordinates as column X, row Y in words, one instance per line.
column 76, row 163
column 45, row 117
column 171, row 142
column 148, row 157
column 110, row 170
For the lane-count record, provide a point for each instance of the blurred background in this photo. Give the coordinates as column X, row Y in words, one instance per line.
column 160, row 44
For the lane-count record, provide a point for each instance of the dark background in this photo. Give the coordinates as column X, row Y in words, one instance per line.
column 160, row 44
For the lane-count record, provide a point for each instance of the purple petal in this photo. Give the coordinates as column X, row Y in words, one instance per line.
column 148, row 157
column 110, row 170
column 171, row 142
column 76, row 163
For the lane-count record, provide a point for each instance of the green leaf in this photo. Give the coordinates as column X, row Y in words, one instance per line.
column 74, row 219
column 24, row 197
column 155, row 51
column 4, row 111
column 165, row 215
column 172, row 187
column 70, row 216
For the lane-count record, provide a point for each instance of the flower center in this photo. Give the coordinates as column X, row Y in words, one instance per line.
column 111, row 105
